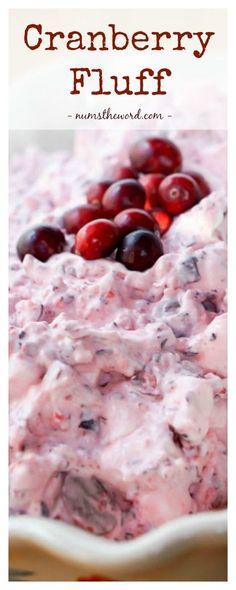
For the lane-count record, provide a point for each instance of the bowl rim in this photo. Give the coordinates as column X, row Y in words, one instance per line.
column 76, row 546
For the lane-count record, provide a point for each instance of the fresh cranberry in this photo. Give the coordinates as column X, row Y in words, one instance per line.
column 139, row 250
column 130, row 220
column 96, row 191
column 155, row 154
column 151, row 183
column 77, row 217
column 120, row 172
column 163, row 219
column 177, row 193
column 97, row 239
column 123, row 195
column 201, row 182
column 41, row 242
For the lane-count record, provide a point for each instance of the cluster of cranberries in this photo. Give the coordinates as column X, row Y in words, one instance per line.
column 128, row 213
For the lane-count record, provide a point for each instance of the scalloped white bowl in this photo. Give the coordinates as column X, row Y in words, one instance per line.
column 190, row 548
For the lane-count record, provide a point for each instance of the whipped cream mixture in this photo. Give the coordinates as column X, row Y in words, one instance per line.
column 118, row 378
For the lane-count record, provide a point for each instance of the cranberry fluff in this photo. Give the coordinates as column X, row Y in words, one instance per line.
column 118, row 409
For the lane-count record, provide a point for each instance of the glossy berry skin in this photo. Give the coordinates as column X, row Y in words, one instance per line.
column 151, row 183
column 120, row 172
column 163, row 219
column 96, row 239
column 155, row 155
column 124, row 194
column 139, row 250
column 96, row 191
column 77, row 217
column 203, row 186
column 41, row 242
column 130, row 220
column 177, row 193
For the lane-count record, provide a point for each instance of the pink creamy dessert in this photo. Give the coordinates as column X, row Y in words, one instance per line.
column 117, row 377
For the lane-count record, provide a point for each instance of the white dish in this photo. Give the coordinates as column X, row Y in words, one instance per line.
column 190, row 548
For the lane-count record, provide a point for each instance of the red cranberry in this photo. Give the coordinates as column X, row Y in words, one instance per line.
column 130, row 220
column 123, row 195
column 41, row 242
column 139, row 250
column 96, row 191
column 120, row 172
column 163, row 219
column 201, row 182
column 97, row 239
column 155, row 154
column 76, row 218
column 177, row 193
column 151, row 183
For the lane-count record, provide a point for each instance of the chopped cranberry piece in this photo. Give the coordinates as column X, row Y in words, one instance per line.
column 151, row 183
column 201, row 182
column 132, row 219
column 77, row 217
column 155, row 154
column 163, row 219
column 123, row 194
column 139, row 250
column 177, row 438
column 41, row 242
column 177, row 193
column 96, row 191
column 96, row 239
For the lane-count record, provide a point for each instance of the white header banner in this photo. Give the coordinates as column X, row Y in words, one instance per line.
column 88, row 69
